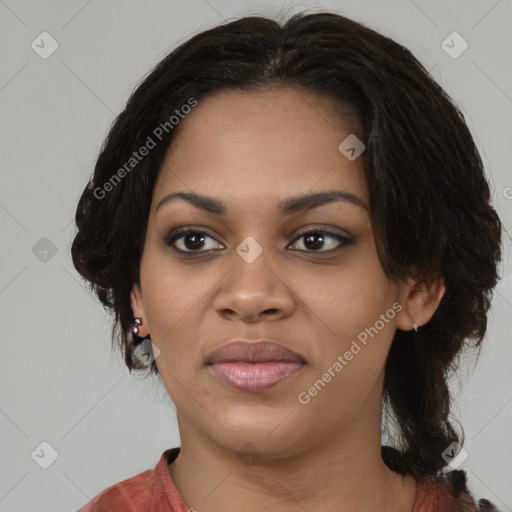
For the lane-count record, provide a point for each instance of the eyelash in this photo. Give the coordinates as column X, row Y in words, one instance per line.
column 172, row 237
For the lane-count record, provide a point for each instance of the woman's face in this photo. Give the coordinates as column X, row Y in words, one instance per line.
column 257, row 274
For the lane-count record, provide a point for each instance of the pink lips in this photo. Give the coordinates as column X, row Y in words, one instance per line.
column 253, row 366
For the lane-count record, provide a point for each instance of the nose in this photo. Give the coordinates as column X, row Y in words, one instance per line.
column 254, row 292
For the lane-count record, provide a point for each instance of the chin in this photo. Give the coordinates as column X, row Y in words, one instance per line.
column 270, row 435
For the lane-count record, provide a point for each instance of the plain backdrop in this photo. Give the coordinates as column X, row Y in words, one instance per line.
column 60, row 383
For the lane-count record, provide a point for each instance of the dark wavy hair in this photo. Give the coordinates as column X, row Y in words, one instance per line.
column 429, row 197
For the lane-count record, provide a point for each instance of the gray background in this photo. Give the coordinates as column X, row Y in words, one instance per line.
column 60, row 384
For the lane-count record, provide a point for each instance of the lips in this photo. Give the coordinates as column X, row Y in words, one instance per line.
column 260, row 351
column 253, row 366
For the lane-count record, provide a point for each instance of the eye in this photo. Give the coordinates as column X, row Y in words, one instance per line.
column 320, row 239
column 191, row 241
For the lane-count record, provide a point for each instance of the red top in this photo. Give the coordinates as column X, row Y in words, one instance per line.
column 154, row 491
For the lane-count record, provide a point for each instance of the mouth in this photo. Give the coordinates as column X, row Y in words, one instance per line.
column 254, row 367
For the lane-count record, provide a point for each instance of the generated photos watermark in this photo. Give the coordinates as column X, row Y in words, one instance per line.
column 304, row 397
column 144, row 150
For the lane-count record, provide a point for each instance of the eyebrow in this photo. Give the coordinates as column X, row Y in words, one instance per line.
column 289, row 206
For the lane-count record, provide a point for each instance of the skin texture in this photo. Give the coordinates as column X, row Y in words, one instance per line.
column 251, row 151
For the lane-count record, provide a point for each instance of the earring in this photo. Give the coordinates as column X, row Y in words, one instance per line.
column 135, row 324
column 133, row 333
column 414, row 325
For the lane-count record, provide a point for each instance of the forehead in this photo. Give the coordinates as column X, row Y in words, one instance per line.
column 264, row 145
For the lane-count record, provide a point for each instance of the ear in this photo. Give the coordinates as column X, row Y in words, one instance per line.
column 421, row 298
column 138, row 310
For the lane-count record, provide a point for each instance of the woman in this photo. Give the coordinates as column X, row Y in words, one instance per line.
column 291, row 225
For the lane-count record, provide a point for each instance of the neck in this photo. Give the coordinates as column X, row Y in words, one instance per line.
column 343, row 472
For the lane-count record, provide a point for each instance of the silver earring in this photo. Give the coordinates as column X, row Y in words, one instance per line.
column 415, row 326
column 135, row 324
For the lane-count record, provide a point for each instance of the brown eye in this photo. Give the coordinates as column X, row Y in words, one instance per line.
column 191, row 241
column 321, row 241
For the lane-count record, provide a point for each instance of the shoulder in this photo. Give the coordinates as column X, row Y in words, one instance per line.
column 122, row 494
column 127, row 495
column 448, row 492
column 149, row 490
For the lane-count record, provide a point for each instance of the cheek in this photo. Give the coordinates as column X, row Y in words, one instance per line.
column 170, row 289
column 350, row 361
column 347, row 302
column 353, row 317
column 171, row 299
